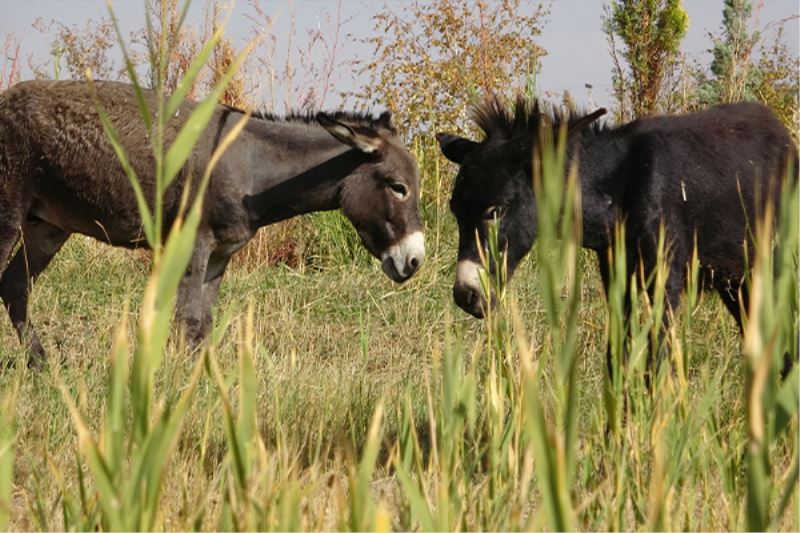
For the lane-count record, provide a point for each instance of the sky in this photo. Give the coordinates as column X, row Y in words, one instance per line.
column 577, row 48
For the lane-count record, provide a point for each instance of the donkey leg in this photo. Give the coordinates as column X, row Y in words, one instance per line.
column 605, row 277
column 660, row 343
column 617, row 371
column 9, row 235
column 214, row 273
column 188, row 309
column 736, row 298
column 12, row 215
column 605, row 274
column 8, row 239
column 13, row 206
column 40, row 242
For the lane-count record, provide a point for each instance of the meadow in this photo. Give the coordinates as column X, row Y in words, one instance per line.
column 379, row 406
column 329, row 398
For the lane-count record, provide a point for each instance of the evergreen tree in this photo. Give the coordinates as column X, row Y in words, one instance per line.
column 733, row 75
column 651, row 32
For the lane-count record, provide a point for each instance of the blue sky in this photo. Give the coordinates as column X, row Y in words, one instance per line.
column 577, row 48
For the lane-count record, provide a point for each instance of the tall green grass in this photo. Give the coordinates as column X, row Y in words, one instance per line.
column 7, row 449
column 772, row 333
column 279, row 432
column 333, row 400
column 128, row 455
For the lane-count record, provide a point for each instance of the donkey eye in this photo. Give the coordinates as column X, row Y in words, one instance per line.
column 494, row 212
column 399, row 190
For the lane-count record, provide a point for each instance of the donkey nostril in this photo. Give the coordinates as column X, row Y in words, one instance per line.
column 413, row 262
column 469, row 299
column 471, row 295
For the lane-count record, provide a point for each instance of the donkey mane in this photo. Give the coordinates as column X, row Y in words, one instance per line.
column 498, row 120
column 384, row 120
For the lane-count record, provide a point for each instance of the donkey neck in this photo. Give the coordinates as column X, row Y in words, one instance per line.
column 298, row 168
column 603, row 156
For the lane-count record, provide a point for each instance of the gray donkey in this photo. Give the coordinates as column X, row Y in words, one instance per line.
column 59, row 175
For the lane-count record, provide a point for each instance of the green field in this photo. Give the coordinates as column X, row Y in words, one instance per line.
column 334, row 339
column 328, row 398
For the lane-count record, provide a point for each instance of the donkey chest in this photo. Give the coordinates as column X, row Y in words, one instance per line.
column 230, row 227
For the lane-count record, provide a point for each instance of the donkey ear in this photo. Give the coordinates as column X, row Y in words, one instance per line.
column 385, row 120
column 361, row 138
column 453, row 147
column 578, row 126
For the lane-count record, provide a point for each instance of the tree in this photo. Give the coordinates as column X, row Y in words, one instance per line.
column 745, row 67
column 779, row 80
column 651, row 32
column 76, row 48
column 733, row 77
column 433, row 59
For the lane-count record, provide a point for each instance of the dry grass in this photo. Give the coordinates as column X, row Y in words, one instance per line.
column 330, row 344
column 329, row 398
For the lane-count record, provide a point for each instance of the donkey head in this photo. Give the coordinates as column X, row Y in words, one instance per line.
column 381, row 197
column 495, row 183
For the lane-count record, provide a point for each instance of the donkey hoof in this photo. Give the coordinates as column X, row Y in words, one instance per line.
column 36, row 355
column 36, row 363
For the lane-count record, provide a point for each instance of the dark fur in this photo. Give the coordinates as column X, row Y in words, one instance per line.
column 59, row 175
column 706, row 175
column 384, row 120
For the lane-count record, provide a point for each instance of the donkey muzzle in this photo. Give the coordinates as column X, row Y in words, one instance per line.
column 404, row 258
column 467, row 291
column 469, row 299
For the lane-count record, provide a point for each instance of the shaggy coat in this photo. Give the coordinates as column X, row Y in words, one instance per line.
column 705, row 176
column 59, row 175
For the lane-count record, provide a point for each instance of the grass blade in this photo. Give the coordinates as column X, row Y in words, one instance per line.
column 119, row 150
column 187, row 138
column 103, row 477
column 8, row 437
